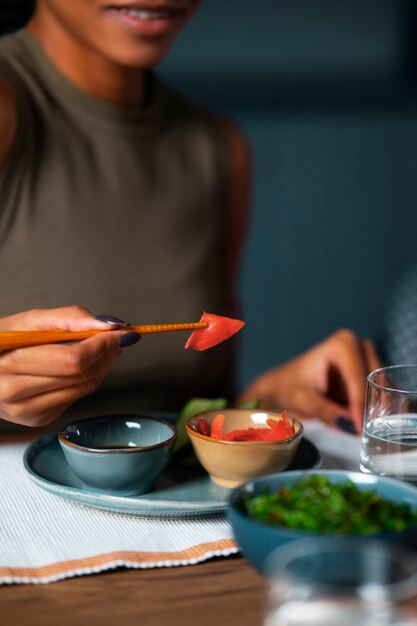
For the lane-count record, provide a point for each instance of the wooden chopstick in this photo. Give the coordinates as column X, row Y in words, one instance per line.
column 24, row 338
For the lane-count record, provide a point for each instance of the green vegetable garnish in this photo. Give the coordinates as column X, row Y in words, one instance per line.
column 315, row 504
column 249, row 404
column 194, row 406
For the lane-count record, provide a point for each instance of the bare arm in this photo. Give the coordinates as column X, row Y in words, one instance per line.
column 8, row 122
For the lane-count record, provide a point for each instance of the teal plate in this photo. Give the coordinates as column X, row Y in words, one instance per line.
column 182, row 492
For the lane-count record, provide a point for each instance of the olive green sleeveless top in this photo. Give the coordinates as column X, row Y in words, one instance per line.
column 121, row 210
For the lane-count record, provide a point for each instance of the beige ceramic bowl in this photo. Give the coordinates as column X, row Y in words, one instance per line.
column 231, row 463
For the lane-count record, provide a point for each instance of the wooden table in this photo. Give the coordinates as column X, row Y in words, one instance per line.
column 219, row 591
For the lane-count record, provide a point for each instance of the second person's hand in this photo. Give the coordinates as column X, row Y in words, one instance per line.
column 326, row 382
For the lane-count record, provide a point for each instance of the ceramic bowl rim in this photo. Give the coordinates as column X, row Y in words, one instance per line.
column 121, row 450
column 234, row 499
column 294, row 437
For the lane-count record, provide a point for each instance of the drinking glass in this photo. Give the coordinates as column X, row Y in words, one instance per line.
column 389, row 440
column 340, row 581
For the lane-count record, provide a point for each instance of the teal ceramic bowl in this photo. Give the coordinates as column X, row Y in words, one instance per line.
column 119, row 454
column 258, row 540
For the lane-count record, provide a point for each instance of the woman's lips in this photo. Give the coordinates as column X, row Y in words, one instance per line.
column 146, row 21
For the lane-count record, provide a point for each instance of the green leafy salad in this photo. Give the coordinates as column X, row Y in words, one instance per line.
column 315, row 504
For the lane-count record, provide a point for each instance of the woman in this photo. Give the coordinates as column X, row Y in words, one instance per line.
column 119, row 194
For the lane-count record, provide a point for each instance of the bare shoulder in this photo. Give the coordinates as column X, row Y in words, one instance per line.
column 239, row 200
column 8, row 121
column 240, row 151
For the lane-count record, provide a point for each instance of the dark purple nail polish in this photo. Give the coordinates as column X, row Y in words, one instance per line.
column 128, row 339
column 110, row 319
column 346, row 424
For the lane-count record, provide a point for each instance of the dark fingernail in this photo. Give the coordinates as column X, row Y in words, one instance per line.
column 346, row 424
column 110, row 319
column 128, row 339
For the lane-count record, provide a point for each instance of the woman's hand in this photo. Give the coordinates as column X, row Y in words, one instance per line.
column 327, row 382
column 38, row 383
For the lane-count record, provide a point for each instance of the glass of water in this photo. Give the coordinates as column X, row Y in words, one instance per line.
column 340, row 581
column 389, row 440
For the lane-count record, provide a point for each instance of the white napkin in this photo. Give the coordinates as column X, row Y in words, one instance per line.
column 45, row 538
column 339, row 450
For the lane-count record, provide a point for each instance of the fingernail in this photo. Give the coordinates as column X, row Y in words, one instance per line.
column 128, row 339
column 110, row 319
column 346, row 424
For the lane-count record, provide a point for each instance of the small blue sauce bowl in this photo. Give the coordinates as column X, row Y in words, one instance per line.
column 121, row 454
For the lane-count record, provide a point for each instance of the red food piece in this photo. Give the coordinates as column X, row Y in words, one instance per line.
column 278, row 430
column 281, row 429
column 247, row 434
column 217, row 427
column 219, row 329
column 203, row 427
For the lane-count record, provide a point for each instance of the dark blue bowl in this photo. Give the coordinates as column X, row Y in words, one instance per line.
column 258, row 540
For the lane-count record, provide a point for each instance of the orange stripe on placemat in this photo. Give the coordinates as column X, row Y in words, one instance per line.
column 129, row 557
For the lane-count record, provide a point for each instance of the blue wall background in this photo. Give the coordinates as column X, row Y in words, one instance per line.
column 325, row 92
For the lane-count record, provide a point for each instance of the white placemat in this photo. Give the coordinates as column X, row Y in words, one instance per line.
column 45, row 538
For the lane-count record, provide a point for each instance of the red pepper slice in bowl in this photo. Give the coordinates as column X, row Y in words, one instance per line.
column 278, row 429
column 217, row 427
